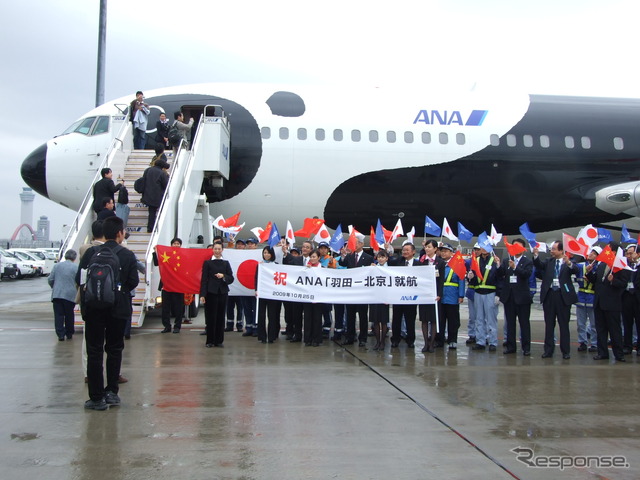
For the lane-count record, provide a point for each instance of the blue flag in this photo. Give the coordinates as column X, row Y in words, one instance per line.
column 274, row 236
column 526, row 233
column 431, row 228
column 625, row 237
column 463, row 233
column 379, row 234
column 604, row 235
column 337, row 240
column 485, row 242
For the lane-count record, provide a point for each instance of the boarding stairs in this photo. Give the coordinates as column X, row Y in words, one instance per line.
column 184, row 211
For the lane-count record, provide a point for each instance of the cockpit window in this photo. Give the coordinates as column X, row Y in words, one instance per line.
column 102, row 126
column 71, row 128
column 85, row 126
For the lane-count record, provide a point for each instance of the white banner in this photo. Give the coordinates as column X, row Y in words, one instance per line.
column 390, row 285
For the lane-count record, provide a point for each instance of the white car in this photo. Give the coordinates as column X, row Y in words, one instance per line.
column 37, row 264
column 23, row 268
column 49, row 261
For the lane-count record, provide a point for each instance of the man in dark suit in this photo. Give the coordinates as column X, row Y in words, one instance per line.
column 557, row 294
column 407, row 311
column 427, row 313
column 296, row 308
column 357, row 258
column 156, row 179
column 104, row 328
column 104, row 188
column 607, row 307
column 515, row 273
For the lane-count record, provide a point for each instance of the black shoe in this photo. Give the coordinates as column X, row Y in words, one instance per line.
column 507, row 351
column 477, row 346
column 362, row 344
column 620, row 359
column 228, row 329
column 126, row 337
column 209, row 345
column 627, row 350
column 166, row 330
column 348, row 342
column 411, row 345
column 96, row 404
column 593, row 349
column 505, row 343
column 61, row 339
column 176, row 330
column 295, row 339
column 315, row 344
column 566, row 356
column 600, row 357
column 336, row 338
column 492, row 348
column 526, row 353
column 203, row 333
column 307, row 344
column 247, row 334
column 394, row 345
column 547, row 355
column 582, row 347
column 470, row 340
column 111, row 398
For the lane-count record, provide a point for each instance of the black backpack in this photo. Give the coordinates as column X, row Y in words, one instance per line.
column 174, row 136
column 138, row 185
column 103, row 279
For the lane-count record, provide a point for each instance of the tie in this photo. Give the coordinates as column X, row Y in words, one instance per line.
column 406, row 263
column 357, row 258
column 557, row 268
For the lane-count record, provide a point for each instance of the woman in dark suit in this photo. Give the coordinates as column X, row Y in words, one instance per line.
column 216, row 277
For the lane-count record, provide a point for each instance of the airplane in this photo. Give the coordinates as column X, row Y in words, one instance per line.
column 353, row 155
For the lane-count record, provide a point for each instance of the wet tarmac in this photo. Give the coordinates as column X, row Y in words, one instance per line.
column 286, row 411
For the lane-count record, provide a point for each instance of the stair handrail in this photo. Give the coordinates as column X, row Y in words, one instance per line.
column 80, row 218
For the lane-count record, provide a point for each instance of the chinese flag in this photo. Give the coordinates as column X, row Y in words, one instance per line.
column 372, row 240
column 351, row 243
column 456, row 263
column 181, row 268
column 607, row 256
column 475, row 267
column 231, row 221
column 513, row 248
column 310, row 227
column 266, row 233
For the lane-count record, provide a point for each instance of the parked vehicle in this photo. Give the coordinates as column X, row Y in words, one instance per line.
column 35, row 263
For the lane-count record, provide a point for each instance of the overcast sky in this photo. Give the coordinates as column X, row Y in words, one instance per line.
column 48, row 55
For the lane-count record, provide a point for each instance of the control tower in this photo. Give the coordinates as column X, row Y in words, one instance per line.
column 26, row 211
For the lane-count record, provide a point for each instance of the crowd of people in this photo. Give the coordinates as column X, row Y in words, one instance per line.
column 607, row 302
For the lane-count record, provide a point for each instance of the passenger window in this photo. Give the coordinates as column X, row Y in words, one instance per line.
column 569, row 142
column 618, row 143
column 302, row 134
column 102, row 126
column 460, row 140
column 426, row 138
column 266, row 133
column 585, row 142
column 408, row 137
column 320, row 134
column 356, row 135
column 494, row 140
column 337, row 135
column 544, row 141
column 443, row 138
column 511, row 140
column 284, row 133
column 373, row 136
column 391, row 137
column 527, row 141
column 85, row 126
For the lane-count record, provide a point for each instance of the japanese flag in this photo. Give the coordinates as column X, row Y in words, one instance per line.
column 589, row 234
column 495, row 236
column 447, row 232
column 290, row 237
column 397, row 231
column 323, row 235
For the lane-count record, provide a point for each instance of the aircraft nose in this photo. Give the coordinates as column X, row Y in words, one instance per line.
column 34, row 170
